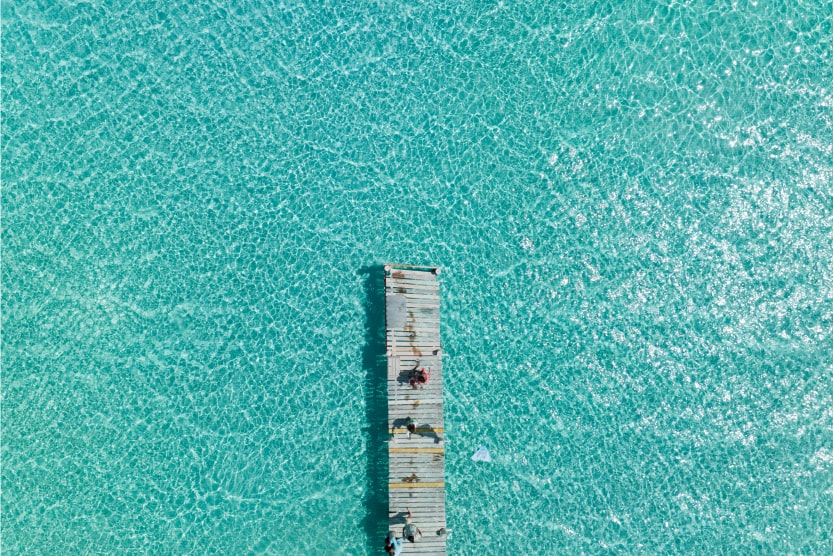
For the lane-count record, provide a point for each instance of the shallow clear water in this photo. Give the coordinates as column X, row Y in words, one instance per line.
column 631, row 206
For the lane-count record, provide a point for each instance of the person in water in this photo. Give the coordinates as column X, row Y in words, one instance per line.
column 410, row 530
column 393, row 545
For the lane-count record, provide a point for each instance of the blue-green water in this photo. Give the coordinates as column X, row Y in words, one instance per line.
column 632, row 206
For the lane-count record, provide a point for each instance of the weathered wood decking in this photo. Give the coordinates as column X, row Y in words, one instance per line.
column 416, row 464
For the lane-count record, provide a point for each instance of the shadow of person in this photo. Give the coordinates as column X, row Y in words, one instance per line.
column 427, row 431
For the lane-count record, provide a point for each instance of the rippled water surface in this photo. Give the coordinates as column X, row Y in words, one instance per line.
column 631, row 203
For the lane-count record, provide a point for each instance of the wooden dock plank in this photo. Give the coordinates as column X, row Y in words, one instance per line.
column 425, row 275
column 413, row 289
column 418, row 295
column 416, row 466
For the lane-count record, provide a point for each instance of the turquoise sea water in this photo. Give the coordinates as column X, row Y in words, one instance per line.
column 631, row 203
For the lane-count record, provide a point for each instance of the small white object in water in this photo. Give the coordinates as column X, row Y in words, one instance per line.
column 481, row 454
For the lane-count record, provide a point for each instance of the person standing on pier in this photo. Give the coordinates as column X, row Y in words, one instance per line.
column 410, row 530
column 419, row 378
column 393, row 545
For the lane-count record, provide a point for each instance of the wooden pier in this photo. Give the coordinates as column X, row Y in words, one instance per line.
column 416, row 461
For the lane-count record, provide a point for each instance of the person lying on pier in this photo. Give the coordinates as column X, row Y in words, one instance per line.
column 410, row 530
column 393, row 545
column 419, row 378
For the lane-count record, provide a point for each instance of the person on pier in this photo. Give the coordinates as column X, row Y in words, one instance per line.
column 393, row 545
column 410, row 530
column 419, row 378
